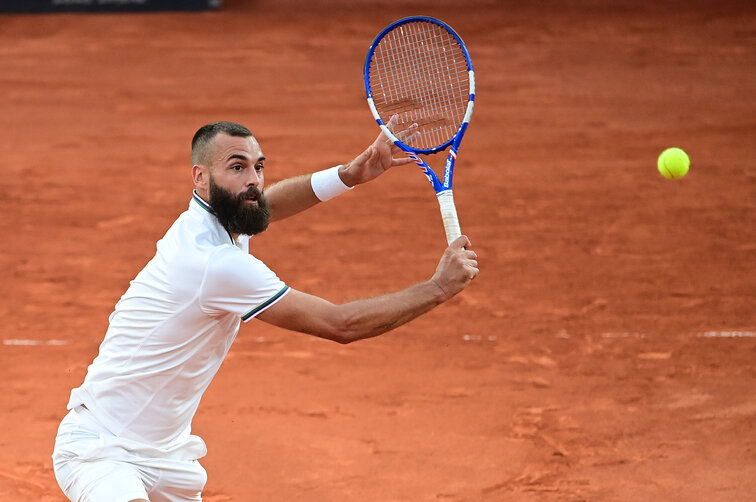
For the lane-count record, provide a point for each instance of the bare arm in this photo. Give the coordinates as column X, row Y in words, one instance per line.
column 290, row 196
column 371, row 317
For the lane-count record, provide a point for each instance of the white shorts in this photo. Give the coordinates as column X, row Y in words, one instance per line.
column 92, row 465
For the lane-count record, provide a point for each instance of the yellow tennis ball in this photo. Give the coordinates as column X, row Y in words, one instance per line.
column 673, row 163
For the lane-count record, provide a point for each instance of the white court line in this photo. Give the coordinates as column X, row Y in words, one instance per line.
column 623, row 335
column 21, row 342
column 478, row 338
column 702, row 334
column 727, row 334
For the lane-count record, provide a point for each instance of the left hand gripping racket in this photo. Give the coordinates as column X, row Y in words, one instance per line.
column 418, row 69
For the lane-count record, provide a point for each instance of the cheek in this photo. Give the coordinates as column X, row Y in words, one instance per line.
column 231, row 181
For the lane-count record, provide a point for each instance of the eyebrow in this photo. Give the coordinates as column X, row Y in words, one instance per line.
column 242, row 157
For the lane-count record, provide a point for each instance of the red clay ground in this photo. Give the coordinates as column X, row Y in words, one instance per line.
column 605, row 353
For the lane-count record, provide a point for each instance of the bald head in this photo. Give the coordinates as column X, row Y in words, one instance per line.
column 203, row 139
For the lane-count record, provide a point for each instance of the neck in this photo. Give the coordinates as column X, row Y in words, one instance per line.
column 203, row 193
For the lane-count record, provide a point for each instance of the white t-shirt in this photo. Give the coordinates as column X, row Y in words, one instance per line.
column 172, row 328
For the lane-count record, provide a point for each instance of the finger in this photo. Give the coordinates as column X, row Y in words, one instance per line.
column 409, row 140
column 468, row 244
column 400, row 161
column 390, row 126
column 474, row 271
column 461, row 242
column 408, row 132
column 415, row 134
column 408, row 135
column 382, row 135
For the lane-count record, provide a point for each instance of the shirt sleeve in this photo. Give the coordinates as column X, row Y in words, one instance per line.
column 239, row 283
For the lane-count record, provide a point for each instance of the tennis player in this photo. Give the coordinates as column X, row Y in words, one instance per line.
column 127, row 436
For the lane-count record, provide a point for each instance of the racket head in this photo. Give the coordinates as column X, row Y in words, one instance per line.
column 419, row 69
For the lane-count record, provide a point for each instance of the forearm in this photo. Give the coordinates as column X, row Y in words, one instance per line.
column 290, row 196
column 374, row 316
column 371, row 317
column 356, row 320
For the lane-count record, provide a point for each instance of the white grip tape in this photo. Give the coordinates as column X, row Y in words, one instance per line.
column 449, row 215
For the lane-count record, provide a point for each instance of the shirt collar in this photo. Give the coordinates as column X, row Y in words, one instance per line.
column 199, row 205
column 204, row 205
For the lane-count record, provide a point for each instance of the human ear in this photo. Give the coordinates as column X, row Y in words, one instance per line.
column 201, row 176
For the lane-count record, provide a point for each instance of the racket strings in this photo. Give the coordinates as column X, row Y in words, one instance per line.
column 419, row 72
column 430, row 97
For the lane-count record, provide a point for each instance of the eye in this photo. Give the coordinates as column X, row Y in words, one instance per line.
column 259, row 167
column 237, row 167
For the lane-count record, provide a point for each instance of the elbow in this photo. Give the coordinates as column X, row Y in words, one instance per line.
column 330, row 323
column 342, row 335
column 339, row 336
column 344, row 339
column 343, row 330
column 348, row 324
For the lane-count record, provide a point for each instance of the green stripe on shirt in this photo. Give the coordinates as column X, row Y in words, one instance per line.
column 265, row 305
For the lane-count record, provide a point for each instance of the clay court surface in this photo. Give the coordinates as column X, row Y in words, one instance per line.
column 607, row 351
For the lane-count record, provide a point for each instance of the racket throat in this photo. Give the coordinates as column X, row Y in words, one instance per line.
column 428, row 172
column 449, row 169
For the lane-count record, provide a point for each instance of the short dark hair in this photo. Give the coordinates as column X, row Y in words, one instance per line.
column 205, row 134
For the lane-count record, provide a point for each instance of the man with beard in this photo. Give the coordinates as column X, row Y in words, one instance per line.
column 127, row 436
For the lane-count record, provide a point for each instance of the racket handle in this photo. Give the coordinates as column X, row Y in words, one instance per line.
column 449, row 215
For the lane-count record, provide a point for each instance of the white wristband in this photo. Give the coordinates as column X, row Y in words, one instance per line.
column 327, row 184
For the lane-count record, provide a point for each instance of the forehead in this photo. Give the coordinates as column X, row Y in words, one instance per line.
column 236, row 147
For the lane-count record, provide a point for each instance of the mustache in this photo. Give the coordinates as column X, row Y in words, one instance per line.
column 252, row 193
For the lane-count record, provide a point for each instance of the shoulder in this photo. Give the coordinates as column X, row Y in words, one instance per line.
column 227, row 264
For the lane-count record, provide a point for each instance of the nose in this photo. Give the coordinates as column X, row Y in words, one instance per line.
column 255, row 178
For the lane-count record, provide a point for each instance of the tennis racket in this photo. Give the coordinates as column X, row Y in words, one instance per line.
column 418, row 70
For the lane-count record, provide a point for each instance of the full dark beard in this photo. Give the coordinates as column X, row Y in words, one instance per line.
column 237, row 216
